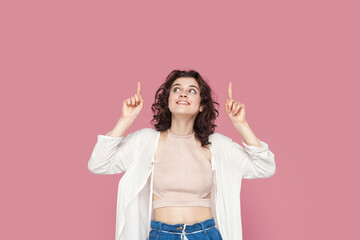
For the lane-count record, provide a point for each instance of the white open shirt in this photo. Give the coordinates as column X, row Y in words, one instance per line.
column 134, row 154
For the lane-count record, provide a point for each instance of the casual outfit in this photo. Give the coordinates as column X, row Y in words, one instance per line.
column 134, row 154
column 182, row 177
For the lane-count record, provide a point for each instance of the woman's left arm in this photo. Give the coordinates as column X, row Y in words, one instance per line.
column 255, row 160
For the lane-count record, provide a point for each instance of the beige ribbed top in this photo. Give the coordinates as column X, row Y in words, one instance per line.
column 182, row 173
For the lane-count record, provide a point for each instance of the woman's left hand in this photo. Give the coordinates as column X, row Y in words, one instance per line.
column 235, row 110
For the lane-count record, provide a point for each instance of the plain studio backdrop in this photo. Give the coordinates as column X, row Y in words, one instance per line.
column 66, row 67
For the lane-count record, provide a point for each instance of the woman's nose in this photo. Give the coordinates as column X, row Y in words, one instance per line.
column 183, row 93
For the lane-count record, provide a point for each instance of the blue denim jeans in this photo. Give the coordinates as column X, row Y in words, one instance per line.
column 205, row 230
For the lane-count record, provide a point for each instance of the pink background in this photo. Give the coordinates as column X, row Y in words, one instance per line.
column 66, row 67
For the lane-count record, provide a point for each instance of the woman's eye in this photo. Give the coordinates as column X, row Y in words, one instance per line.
column 193, row 91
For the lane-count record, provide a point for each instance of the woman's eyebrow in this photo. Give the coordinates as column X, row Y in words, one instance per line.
column 177, row 84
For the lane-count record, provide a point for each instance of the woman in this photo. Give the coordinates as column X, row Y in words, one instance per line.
column 183, row 178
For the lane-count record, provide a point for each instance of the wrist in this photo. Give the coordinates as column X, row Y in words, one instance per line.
column 241, row 124
column 126, row 120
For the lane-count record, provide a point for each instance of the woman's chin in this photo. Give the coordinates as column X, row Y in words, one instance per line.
column 184, row 113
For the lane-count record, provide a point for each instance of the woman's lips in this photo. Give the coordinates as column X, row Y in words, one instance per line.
column 183, row 104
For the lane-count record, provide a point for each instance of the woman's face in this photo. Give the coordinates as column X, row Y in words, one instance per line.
column 186, row 91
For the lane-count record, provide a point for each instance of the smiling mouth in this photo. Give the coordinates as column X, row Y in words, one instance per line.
column 183, row 103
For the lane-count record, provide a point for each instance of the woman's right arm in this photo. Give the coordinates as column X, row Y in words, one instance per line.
column 113, row 153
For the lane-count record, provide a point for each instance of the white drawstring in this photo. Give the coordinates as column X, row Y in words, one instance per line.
column 183, row 237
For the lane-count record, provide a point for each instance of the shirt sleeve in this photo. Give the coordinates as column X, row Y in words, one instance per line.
column 252, row 161
column 113, row 155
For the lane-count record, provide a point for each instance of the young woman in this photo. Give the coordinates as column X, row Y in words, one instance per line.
column 192, row 169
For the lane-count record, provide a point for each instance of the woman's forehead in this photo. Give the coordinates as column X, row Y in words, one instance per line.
column 185, row 81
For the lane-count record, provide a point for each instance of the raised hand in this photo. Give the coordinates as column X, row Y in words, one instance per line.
column 235, row 110
column 132, row 106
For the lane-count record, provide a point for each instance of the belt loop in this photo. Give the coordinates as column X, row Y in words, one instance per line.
column 203, row 227
column 160, row 227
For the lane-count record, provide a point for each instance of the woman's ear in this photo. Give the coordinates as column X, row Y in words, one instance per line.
column 201, row 108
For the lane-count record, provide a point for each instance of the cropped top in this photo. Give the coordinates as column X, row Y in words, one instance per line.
column 182, row 173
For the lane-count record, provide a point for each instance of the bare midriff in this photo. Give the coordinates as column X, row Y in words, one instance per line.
column 175, row 215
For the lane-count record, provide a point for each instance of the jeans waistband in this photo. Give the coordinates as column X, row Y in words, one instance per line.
column 183, row 228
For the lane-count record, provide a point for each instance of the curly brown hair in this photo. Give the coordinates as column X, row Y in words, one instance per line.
column 204, row 121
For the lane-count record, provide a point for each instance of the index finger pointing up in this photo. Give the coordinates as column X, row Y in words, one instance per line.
column 138, row 89
column 230, row 91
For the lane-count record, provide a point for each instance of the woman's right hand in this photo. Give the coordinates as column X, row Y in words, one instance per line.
column 132, row 106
